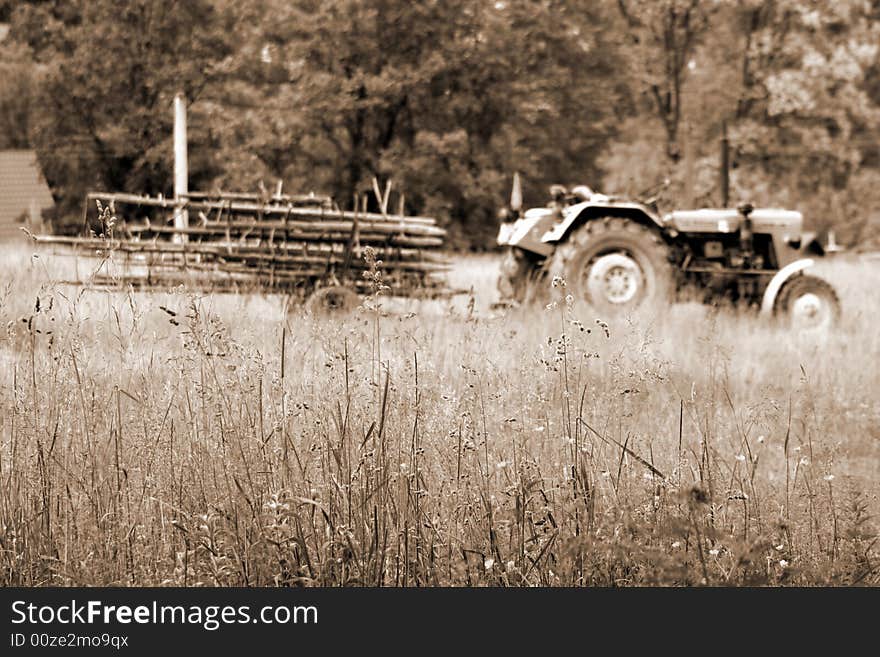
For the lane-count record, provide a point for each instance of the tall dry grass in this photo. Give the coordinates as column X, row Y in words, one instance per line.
column 172, row 438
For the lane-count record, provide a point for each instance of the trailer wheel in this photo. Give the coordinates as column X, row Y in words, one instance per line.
column 808, row 303
column 615, row 265
column 332, row 300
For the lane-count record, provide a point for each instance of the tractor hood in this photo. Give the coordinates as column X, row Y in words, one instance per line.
column 727, row 220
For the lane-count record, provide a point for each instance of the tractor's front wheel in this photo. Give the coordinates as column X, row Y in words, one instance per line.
column 517, row 275
column 615, row 265
column 808, row 303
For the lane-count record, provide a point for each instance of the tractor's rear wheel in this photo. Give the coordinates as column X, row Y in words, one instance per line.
column 615, row 265
column 808, row 303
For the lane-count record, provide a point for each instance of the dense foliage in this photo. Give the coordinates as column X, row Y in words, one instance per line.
column 449, row 98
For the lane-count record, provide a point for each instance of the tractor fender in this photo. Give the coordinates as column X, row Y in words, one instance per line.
column 778, row 280
column 526, row 232
column 576, row 214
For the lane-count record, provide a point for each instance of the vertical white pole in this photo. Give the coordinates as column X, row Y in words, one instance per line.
column 35, row 220
column 181, row 177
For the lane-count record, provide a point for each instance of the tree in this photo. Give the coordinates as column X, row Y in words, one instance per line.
column 446, row 98
column 111, row 71
column 797, row 86
column 663, row 38
column 806, row 74
column 18, row 91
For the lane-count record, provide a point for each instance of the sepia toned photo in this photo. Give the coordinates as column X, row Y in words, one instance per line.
column 463, row 293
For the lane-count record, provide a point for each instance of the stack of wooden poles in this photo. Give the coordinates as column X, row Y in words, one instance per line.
column 239, row 240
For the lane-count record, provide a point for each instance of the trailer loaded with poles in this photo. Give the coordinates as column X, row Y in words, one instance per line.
column 302, row 246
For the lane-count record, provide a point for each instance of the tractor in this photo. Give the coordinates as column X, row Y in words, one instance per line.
column 619, row 254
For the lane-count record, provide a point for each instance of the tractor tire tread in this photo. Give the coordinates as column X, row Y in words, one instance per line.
column 586, row 235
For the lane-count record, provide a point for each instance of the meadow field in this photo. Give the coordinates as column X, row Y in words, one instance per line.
column 210, row 440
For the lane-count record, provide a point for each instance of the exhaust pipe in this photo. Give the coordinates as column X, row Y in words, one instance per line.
column 746, row 231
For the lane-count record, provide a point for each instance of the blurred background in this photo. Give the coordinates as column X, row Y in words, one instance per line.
column 447, row 99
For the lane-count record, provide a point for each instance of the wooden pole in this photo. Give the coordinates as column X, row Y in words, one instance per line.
column 181, row 175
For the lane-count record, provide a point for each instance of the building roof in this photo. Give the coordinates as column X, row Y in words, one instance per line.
column 21, row 185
